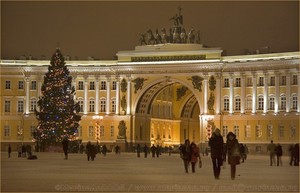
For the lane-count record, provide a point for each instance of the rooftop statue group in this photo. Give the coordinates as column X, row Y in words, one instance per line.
column 177, row 34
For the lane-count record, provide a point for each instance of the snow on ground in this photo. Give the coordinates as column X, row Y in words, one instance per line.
column 127, row 173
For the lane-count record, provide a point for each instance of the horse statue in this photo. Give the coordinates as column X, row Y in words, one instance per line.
column 143, row 39
column 151, row 39
column 191, row 37
column 164, row 36
column 183, row 36
column 158, row 39
column 176, row 36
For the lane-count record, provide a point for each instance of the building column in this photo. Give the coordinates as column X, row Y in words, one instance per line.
column 298, row 97
column 231, row 93
column 205, row 93
column 254, row 91
column 117, row 95
column 85, row 104
column 73, row 84
column 39, row 86
column 97, row 95
column 276, row 108
column 243, row 93
column 128, row 111
column 266, row 93
column 107, row 95
column 27, row 87
column 288, row 92
column 218, row 94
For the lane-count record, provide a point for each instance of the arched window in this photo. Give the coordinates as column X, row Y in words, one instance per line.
column 260, row 102
column 226, row 103
column 32, row 104
column 102, row 104
column 271, row 102
column 283, row 102
column 92, row 105
column 237, row 103
column 294, row 101
column 80, row 101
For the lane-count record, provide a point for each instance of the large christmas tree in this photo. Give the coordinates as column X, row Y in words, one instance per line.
column 57, row 115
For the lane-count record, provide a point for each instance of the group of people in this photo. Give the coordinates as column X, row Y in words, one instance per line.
column 190, row 153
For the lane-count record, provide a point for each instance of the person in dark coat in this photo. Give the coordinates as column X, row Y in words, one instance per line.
column 138, row 150
column 242, row 151
column 157, row 151
column 291, row 148
column 65, row 144
column 195, row 154
column 9, row 150
column 278, row 150
column 145, row 150
column 153, row 150
column 104, row 150
column 185, row 154
column 91, row 151
column 296, row 154
column 216, row 145
column 233, row 152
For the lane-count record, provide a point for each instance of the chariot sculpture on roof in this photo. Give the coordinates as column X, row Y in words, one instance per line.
column 177, row 33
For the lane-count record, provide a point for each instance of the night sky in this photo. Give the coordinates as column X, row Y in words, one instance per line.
column 102, row 28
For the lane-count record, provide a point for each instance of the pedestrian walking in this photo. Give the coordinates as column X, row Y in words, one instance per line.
column 216, row 145
column 153, row 150
column 65, row 144
column 117, row 150
column 185, row 154
column 246, row 151
column 271, row 150
column 145, row 150
column 104, row 150
column 278, row 150
column 242, row 151
column 195, row 155
column 91, row 151
column 138, row 150
column 157, row 151
column 9, row 150
column 233, row 152
column 296, row 154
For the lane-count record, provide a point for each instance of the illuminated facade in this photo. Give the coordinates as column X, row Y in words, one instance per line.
column 164, row 94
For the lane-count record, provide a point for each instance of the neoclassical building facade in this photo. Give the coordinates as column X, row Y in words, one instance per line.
column 165, row 93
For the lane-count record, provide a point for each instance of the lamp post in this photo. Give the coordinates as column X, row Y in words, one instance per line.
column 98, row 119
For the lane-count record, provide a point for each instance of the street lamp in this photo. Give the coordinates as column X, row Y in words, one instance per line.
column 98, row 119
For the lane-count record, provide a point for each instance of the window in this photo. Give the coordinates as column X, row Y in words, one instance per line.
column 237, row 103
column 80, row 85
column 295, row 102
column 247, row 131
column 282, row 102
column 261, row 81
column 32, row 128
column 101, row 130
column 283, row 80
column 7, row 84
column 102, row 104
column 258, row 131
column 103, row 85
column 21, row 85
column 7, row 106
column 236, row 130
column 226, row 103
column 272, row 103
column 238, row 82
column 281, row 131
column 249, row 81
column 114, row 85
column 80, row 101
column 270, row 131
column 33, row 85
column 92, row 105
column 226, row 82
column 272, row 81
column 32, row 104
column 293, row 131
column 260, row 102
column 249, row 103
column 92, row 85
column 20, row 106
column 113, row 104
column 91, row 131
column 295, row 80
column 112, row 131
column 6, row 131
column 225, row 130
